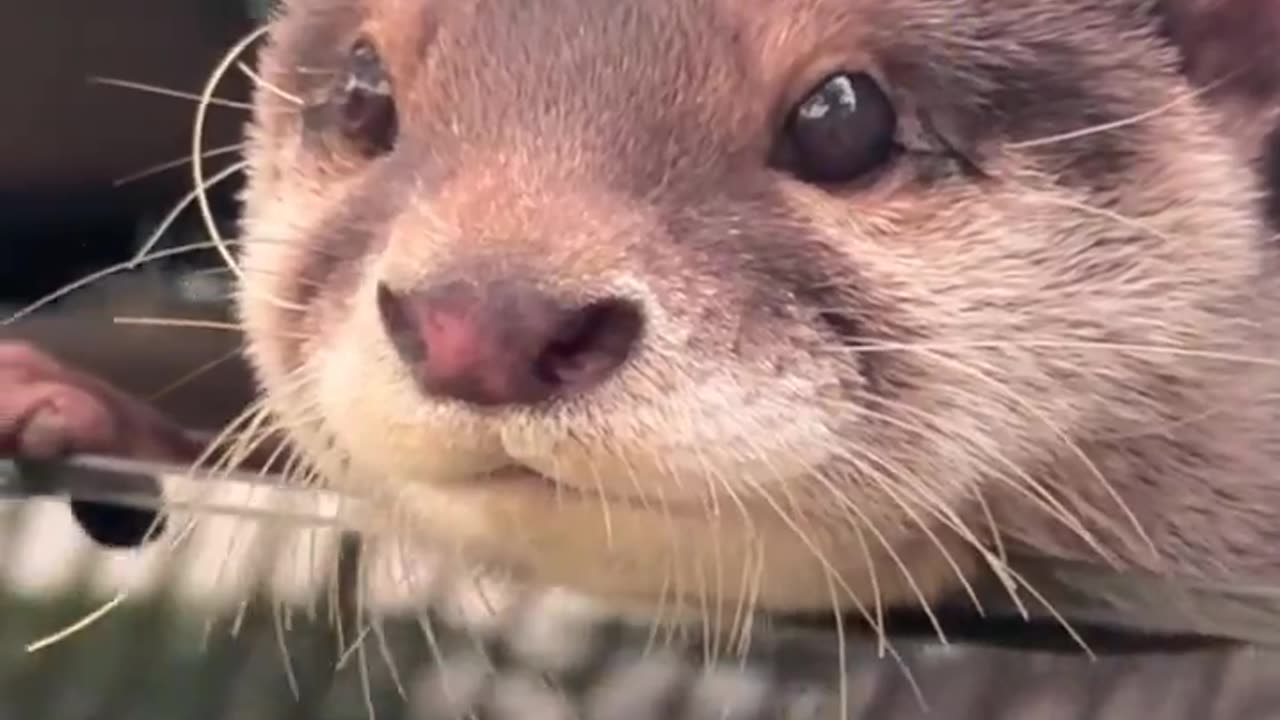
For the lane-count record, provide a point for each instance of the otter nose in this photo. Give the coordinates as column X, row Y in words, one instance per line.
column 505, row 344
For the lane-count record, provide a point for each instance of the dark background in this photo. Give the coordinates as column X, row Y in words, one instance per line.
column 65, row 141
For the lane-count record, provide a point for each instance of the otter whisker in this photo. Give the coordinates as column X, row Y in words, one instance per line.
column 620, row 456
column 731, row 638
column 245, row 443
column 713, row 506
column 297, row 470
column 718, row 480
column 174, row 164
column 877, row 594
column 167, row 92
column 1071, row 446
column 842, row 651
column 700, row 572
column 797, row 529
column 222, row 326
column 237, row 622
column 746, row 601
column 475, row 578
column 197, row 141
column 1050, row 344
column 1101, row 212
column 194, row 374
column 556, row 471
column 283, row 647
column 1182, row 98
column 302, row 281
column 1030, row 488
column 896, row 558
column 291, row 243
column 102, row 611
column 656, row 619
column 743, row 606
column 183, row 203
column 178, row 323
column 834, row 576
column 366, row 684
column 674, row 582
column 679, row 591
column 607, row 516
column 757, row 586
column 1050, row 608
column 997, row 539
column 437, row 655
column 349, row 651
column 862, row 522
column 233, row 542
column 252, row 419
column 1164, row 428
column 940, row 511
column 884, row 481
column 388, row 658
column 79, row 625
column 708, row 636
column 1083, row 512
column 259, row 81
column 883, row 478
column 91, row 278
column 247, row 292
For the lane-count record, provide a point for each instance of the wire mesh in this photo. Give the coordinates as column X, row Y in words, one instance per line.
column 234, row 624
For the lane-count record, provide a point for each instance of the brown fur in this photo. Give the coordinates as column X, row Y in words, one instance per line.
column 1086, row 321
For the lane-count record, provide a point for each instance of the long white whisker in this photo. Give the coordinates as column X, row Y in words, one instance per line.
column 197, row 142
column 157, row 90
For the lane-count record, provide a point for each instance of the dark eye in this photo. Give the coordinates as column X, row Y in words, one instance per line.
column 845, row 128
column 366, row 108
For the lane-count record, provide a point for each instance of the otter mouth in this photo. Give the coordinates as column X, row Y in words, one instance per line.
column 516, row 473
column 524, row 476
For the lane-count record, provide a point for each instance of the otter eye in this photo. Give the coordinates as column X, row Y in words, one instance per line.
column 365, row 106
column 845, row 128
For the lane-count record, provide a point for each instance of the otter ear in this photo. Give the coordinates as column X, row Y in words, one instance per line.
column 1239, row 39
column 1231, row 48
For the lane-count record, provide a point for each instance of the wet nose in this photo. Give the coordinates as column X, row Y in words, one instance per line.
column 506, row 344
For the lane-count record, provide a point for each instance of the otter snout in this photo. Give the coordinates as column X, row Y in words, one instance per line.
column 505, row 343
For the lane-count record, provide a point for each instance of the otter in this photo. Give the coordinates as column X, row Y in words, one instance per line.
column 788, row 305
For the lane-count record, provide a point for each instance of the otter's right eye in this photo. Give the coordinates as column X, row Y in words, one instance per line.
column 845, row 128
column 365, row 105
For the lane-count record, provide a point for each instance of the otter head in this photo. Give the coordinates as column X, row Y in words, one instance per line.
column 713, row 301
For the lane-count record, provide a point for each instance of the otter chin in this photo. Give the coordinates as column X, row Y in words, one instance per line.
column 781, row 306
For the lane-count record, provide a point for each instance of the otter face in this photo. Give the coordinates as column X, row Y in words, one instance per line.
column 686, row 301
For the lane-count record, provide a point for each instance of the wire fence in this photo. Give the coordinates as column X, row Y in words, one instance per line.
column 247, row 619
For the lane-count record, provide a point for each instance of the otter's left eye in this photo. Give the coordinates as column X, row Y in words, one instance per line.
column 845, row 128
column 365, row 105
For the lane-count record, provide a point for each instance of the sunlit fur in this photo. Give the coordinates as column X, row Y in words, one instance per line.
column 842, row 394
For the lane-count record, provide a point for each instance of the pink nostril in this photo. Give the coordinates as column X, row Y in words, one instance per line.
column 506, row 344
